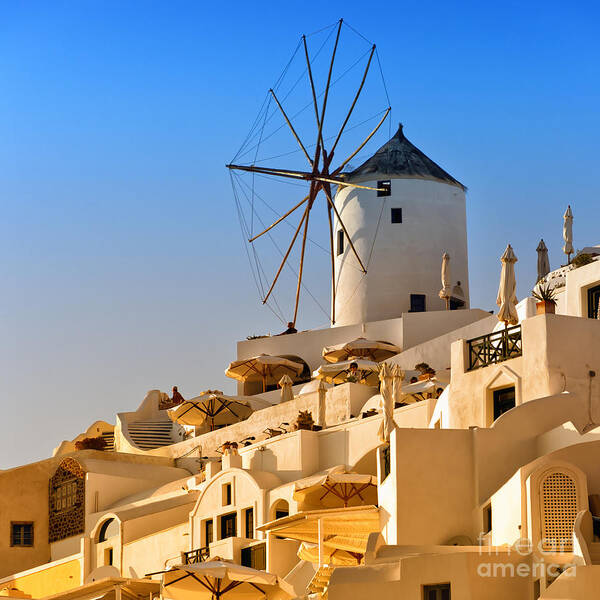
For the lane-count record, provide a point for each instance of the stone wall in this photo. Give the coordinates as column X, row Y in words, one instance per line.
column 66, row 521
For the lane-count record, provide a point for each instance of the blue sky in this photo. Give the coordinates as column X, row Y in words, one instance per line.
column 122, row 266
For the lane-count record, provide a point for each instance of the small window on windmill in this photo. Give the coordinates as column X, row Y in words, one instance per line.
column 396, row 215
column 340, row 242
column 384, row 188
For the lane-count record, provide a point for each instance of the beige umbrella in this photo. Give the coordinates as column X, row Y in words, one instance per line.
column 285, row 383
column 337, row 487
column 387, row 403
column 342, row 372
column 543, row 262
column 360, row 348
column 507, row 299
column 262, row 368
column 398, row 376
column 446, row 290
column 322, row 403
column 216, row 408
column 216, row 579
column 568, row 232
column 418, row 391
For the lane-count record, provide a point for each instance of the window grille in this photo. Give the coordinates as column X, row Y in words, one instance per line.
column 559, row 509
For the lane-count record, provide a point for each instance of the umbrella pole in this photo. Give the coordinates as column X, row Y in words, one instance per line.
column 264, row 379
column 447, row 303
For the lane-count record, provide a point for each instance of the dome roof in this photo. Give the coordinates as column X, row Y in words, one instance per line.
column 400, row 158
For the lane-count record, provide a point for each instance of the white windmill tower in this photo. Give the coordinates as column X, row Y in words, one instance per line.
column 402, row 232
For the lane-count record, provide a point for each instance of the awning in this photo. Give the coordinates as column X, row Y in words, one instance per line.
column 341, row 528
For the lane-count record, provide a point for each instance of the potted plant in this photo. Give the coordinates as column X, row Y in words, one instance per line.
column 546, row 304
column 89, row 443
column 304, row 421
column 426, row 372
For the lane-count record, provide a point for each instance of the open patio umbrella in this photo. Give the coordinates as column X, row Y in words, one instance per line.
column 331, row 556
column 507, row 299
column 360, row 348
column 418, row 391
column 367, row 372
column 337, row 487
column 446, row 290
column 220, row 579
column 543, row 262
column 285, row 383
column 568, row 232
column 262, row 368
column 387, row 402
column 216, row 408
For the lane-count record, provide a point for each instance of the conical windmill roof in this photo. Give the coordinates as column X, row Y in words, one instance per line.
column 400, row 158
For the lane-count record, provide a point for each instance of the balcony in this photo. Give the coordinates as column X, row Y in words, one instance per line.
column 495, row 347
column 195, row 556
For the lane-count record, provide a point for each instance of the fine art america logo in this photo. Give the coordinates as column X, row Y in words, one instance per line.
column 526, row 559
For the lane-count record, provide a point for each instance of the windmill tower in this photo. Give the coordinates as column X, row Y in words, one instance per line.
column 416, row 213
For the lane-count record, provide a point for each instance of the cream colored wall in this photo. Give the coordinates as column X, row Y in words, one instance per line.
column 155, row 551
column 405, row 578
column 578, row 282
column 507, row 512
column 558, row 354
column 245, row 493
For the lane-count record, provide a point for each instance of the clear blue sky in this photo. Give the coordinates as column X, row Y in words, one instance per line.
column 121, row 263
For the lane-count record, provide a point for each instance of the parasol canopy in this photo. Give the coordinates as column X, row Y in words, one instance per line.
column 417, row 391
column 568, row 231
column 337, row 487
column 216, row 579
column 366, row 372
column 398, row 376
column 543, row 262
column 360, row 348
column 263, row 367
column 446, row 291
column 507, row 299
column 216, row 408
column 322, row 403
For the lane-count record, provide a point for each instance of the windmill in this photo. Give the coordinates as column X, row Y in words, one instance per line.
column 323, row 170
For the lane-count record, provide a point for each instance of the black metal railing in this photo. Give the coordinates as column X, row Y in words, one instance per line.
column 495, row 347
column 195, row 556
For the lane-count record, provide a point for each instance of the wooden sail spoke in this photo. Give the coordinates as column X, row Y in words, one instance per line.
column 287, row 214
column 360, row 87
column 312, row 83
column 304, row 216
column 272, row 171
column 287, row 120
column 301, row 268
column 339, row 169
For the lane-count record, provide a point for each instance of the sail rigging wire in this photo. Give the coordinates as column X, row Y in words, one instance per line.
column 289, row 266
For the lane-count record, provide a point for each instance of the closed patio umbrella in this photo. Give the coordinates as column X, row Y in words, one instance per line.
column 446, row 290
column 342, row 372
column 507, row 299
column 398, row 376
column 220, row 579
column 263, row 368
column 568, row 232
column 360, row 348
column 543, row 262
column 285, row 383
column 331, row 556
column 322, row 403
column 387, row 403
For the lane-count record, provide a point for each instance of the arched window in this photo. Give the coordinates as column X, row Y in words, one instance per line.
column 280, row 509
column 108, row 529
column 558, row 498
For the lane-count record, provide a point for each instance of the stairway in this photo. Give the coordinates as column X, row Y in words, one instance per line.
column 147, row 435
column 109, row 439
column 320, row 582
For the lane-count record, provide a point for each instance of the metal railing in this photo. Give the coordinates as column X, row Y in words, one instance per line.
column 495, row 347
column 195, row 556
